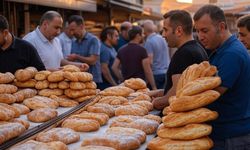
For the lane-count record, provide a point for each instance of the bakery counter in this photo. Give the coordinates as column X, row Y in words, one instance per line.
column 39, row 127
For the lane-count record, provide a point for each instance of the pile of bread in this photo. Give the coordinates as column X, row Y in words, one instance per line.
column 183, row 124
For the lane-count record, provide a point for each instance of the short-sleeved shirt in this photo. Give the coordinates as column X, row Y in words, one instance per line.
column 88, row 46
column 49, row 51
column 107, row 56
column 66, row 44
column 189, row 53
column 233, row 64
column 157, row 45
column 131, row 57
column 121, row 43
column 19, row 55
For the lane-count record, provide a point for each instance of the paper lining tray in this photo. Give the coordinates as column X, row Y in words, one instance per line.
column 39, row 127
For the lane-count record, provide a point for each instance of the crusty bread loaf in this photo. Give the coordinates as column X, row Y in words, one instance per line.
column 71, row 68
column 95, row 147
column 79, row 93
column 139, row 96
column 53, row 85
column 153, row 117
column 63, row 85
column 56, row 76
column 90, row 85
column 40, row 102
column 64, row 135
column 146, row 104
column 64, row 102
column 168, row 144
column 7, row 98
column 102, row 108
column 77, row 85
column 44, row 84
column 199, row 85
column 6, row 77
column 167, row 110
column 17, row 113
column 183, row 118
column 70, row 76
column 24, row 93
column 42, row 114
column 10, row 130
column 26, row 124
column 7, row 89
column 135, row 83
column 42, row 75
column 81, row 125
column 113, row 100
column 49, row 92
column 6, row 114
column 31, row 83
column 117, row 91
column 21, row 108
column 26, row 74
column 135, row 110
column 84, row 98
column 187, row 132
column 186, row 103
column 100, row 117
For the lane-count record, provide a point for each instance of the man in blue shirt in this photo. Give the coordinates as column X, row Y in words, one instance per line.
column 123, row 37
column 86, row 47
column 232, row 129
column 109, row 37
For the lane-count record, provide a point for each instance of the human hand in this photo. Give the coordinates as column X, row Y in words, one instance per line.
column 84, row 67
column 72, row 57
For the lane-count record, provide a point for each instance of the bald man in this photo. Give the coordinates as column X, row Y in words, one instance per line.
column 123, row 37
column 158, row 53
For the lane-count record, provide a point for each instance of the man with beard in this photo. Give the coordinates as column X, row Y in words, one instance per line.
column 177, row 30
column 16, row 53
column 133, row 59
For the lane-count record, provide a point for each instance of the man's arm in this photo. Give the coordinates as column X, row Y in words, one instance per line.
column 82, row 66
column 116, row 69
column 91, row 60
column 162, row 102
column 148, row 73
column 150, row 56
column 106, row 73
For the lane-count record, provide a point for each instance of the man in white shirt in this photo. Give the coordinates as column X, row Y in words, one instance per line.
column 44, row 39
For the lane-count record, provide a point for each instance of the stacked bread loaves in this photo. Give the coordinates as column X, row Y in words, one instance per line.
column 183, row 124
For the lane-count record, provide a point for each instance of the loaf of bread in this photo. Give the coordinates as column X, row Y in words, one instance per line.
column 186, row 103
column 26, row 74
column 187, row 132
column 90, row 85
column 56, row 76
column 79, row 93
column 83, row 76
column 77, row 85
column 40, row 102
column 100, row 117
column 49, row 92
column 135, row 110
column 31, row 83
column 64, row 102
column 7, row 89
column 65, row 135
column 7, row 98
column 42, row 115
column 168, row 144
column 63, row 85
column 139, row 96
column 24, row 93
column 117, row 91
column 135, row 83
column 146, row 90
column 6, row 114
column 183, row 118
column 10, row 130
column 84, row 98
column 113, row 100
column 42, row 75
column 199, row 85
column 53, row 85
column 81, row 125
column 17, row 113
column 95, row 147
column 153, row 117
column 102, row 108
column 71, row 68
column 167, row 111
column 6, row 78
column 44, row 84
column 26, row 124
column 146, row 104
column 70, row 76
column 35, row 145
column 21, row 108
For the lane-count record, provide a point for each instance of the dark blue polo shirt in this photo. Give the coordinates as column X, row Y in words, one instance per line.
column 233, row 64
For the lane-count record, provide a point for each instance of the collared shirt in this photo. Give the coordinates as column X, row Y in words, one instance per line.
column 121, row 43
column 19, row 55
column 66, row 44
column 88, row 46
column 49, row 51
column 233, row 64
column 157, row 45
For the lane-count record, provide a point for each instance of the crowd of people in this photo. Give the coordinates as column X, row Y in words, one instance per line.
column 140, row 52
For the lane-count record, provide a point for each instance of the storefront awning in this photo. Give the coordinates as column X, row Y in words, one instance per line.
column 127, row 4
column 83, row 5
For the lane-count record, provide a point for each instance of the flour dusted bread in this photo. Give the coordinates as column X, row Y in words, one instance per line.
column 56, row 76
column 199, row 85
column 42, row 115
column 117, row 91
column 24, row 93
column 64, row 135
column 113, row 100
column 183, row 118
column 100, row 117
column 187, row 132
column 135, row 110
column 26, row 124
column 81, row 125
column 49, row 92
column 40, row 102
column 25, row 74
column 21, row 108
column 6, row 78
column 6, row 114
column 7, row 89
column 64, row 102
column 7, row 98
column 168, row 144
column 35, row 145
column 10, row 130
column 95, row 147
column 15, row 110
column 135, row 83
column 186, row 103
column 42, row 75
column 146, row 104
column 102, row 108
column 153, row 117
